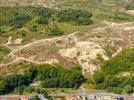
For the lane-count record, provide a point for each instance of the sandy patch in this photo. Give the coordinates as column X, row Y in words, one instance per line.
column 130, row 12
column 84, row 52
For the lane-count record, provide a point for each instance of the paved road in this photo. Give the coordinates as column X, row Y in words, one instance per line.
column 86, row 94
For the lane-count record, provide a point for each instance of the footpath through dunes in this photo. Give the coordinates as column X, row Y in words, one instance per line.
column 76, row 48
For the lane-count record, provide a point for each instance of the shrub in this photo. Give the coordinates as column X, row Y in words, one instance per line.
column 52, row 76
column 43, row 21
column 55, row 31
column 78, row 16
column 108, row 77
column 19, row 20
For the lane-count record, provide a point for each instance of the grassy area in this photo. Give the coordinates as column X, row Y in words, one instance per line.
column 102, row 11
column 106, row 10
column 3, row 52
column 34, row 22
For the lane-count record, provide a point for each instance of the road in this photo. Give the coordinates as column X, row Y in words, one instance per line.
column 86, row 94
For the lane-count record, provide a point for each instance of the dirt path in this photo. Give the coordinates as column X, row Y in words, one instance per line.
column 13, row 52
column 81, row 48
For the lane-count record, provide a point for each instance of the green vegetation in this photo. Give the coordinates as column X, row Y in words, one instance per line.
column 121, row 17
column 3, row 52
column 130, row 6
column 78, row 16
column 44, row 15
column 2, row 32
column 110, row 50
column 55, row 31
column 19, row 20
column 112, row 76
column 115, row 75
column 108, row 10
column 28, row 22
column 51, row 76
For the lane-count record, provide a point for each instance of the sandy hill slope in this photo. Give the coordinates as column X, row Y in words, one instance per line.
column 111, row 31
column 81, row 48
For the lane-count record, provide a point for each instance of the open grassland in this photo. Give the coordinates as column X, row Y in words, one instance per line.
column 32, row 27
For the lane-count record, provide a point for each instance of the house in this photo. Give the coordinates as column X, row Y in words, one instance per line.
column 79, row 98
column 129, row 98
column 59, row 98
column 106, row 98
column 71, row 98
column 11, row 98
column 24, row 98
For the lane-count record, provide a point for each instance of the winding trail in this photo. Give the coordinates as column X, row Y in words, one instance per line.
column 15, row 58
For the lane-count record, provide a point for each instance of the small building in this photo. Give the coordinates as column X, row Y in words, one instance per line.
column 10, row 98
column 106, row 98
column 71, row 98
column 59, row 98
column 24, row 98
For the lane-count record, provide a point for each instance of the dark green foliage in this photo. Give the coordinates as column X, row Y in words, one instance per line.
column 2, row 86
column 4, row 50
column 44, row 15
column 19, row 20
column 78, row 16
column 120, row 16
column 43, row 12
column 34, row 28
column 50, row 75
column 13, row 18
column 123, row 62
column 21, row 33
column 30, row 74
column 60, row 77
column 55, row 31
column 12, row 81
column 1, row 31
column 98, row 78
column 109, row 77
column 43, row 21
column 36, row 98
column 17, row 81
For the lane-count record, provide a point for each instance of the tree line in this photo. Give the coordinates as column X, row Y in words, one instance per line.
column 51, row 76
column 116, row 74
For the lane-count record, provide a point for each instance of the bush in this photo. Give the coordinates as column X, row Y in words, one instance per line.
column 34, row 28
column 78, row 16
column 43, row 12
column 19, row 20
column 2, row 32
column 43, row 21
column 55, row 31
column 52, row 76
column 108, row 77
column 60, row 77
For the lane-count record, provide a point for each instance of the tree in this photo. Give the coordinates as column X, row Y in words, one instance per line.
column 128, row 89
column 55, row 31
column 2, row 87
column 36, row 98
column 19, row 20
column 43, row 21
column 78, row 16
column 98, row 78
column 45, row 94
column 109, row 76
